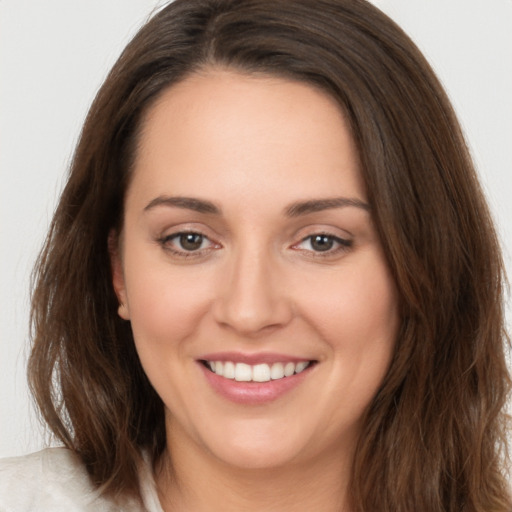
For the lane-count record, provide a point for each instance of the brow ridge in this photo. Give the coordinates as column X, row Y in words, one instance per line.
column 317, row 205
column 187, row 203
column 295, row 209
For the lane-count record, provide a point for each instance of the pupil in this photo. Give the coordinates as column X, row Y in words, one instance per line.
column 191, row 241
column 322, row 243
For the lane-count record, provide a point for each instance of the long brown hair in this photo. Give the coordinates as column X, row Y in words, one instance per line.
column 434, row 437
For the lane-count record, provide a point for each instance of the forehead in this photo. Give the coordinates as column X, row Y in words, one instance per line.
column 222, row 131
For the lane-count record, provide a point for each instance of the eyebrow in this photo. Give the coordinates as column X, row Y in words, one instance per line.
column 294, row 210
column 317, row 205
column 187, row 203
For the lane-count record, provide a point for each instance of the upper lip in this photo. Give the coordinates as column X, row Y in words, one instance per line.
column 254, row 358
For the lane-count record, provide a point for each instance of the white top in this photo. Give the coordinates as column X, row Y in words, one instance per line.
column 54, row 480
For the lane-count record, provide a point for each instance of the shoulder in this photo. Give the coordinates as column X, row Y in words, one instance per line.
column 50, row 480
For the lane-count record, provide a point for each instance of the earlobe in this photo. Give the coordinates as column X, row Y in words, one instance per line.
column 118, row 282
column 122, row 311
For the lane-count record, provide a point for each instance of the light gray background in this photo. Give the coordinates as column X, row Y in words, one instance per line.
column 54, row 56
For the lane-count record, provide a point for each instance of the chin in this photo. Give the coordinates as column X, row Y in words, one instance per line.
column 260, row 445
column 255, row 457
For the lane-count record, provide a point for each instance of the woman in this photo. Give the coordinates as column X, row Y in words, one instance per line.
column 272, row 264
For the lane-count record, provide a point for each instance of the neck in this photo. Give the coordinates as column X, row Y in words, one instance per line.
column 191, row 480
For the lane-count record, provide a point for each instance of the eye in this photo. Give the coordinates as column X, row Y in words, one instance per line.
column 190, row 241
column 321, row 243
column 186, row 242
column 324, row 243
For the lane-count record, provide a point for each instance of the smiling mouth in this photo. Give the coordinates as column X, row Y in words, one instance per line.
column 242, row 372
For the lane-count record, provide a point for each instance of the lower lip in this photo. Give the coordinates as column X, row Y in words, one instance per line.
column 253, row 393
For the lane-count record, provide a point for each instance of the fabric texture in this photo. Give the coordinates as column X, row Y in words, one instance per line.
column 55, row 480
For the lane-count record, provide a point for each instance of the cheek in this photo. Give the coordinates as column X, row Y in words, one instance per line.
column 358, row 320
column 356, row 311
column 165, row 304
column 370, row 307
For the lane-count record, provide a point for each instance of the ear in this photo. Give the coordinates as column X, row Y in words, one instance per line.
column 116, row 266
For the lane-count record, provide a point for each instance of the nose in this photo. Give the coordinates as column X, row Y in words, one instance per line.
column 252, row 298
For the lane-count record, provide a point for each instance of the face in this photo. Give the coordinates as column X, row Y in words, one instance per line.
column 261, row 304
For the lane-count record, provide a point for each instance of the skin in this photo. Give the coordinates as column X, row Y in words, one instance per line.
column 253, row 146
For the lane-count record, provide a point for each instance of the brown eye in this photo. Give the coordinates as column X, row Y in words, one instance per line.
column 186, row 244
column 322, row 243
column 190, row 241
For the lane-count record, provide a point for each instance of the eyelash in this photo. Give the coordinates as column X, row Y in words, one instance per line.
column 166, row 240
column 343, row 245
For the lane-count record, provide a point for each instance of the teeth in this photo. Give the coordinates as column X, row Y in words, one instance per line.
column 229, row 370
column 242, row 372
column 289, row 369
column 277, row 371
column 261, row 373
column 301, row 366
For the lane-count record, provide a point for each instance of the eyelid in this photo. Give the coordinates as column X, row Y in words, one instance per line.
column 327, row 229
column 174, row 229
column 179, row 234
